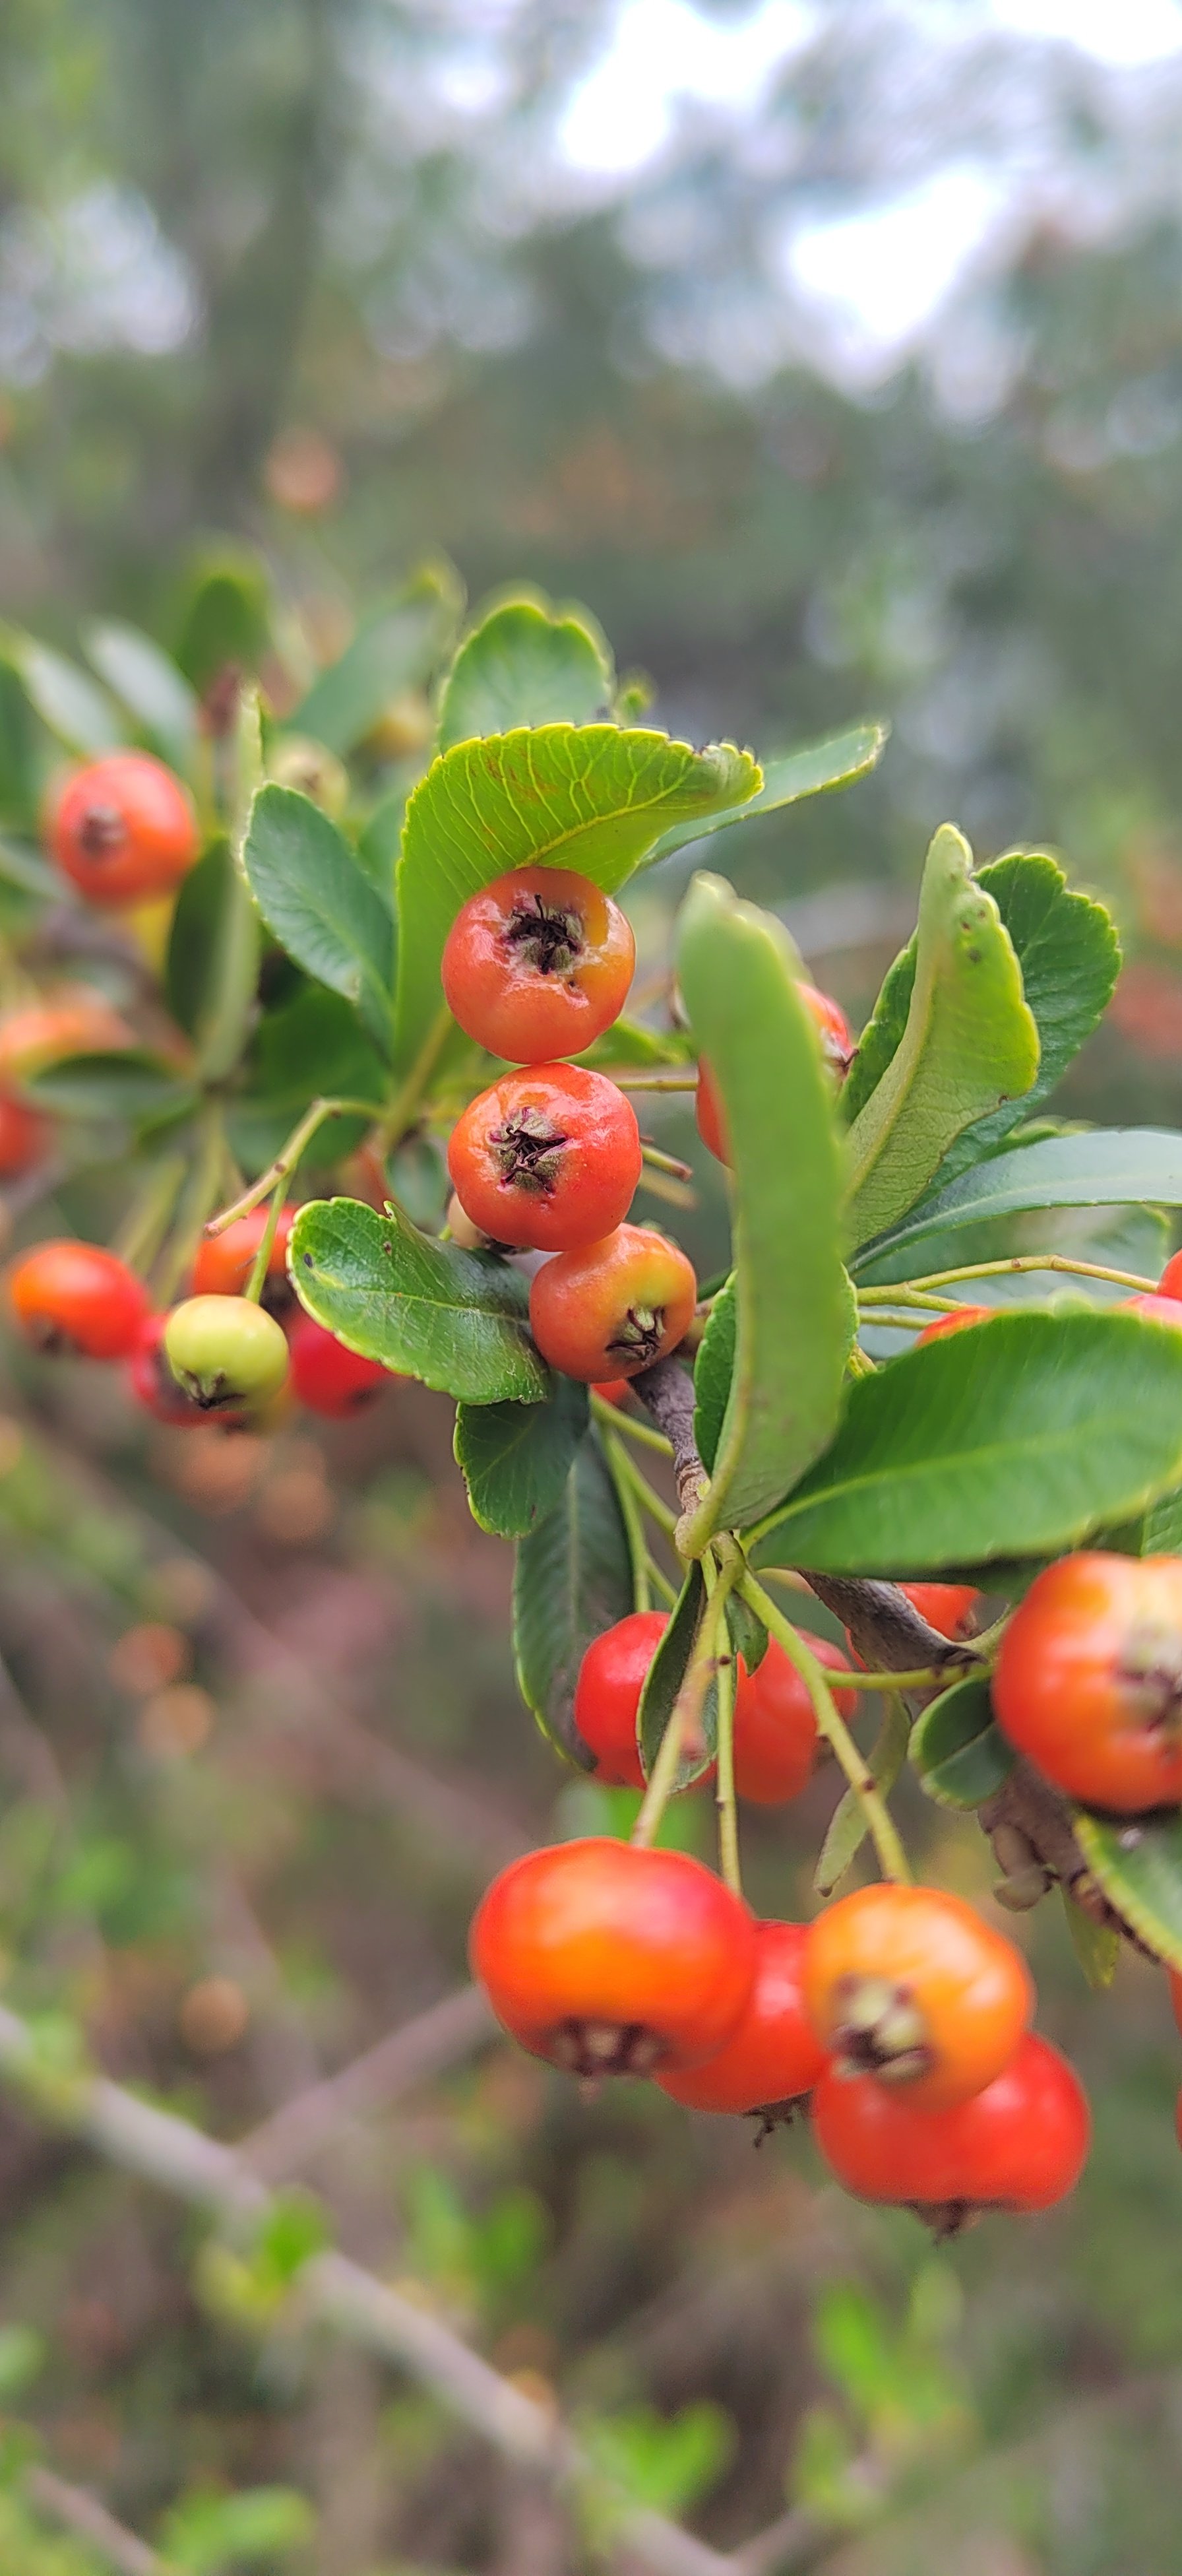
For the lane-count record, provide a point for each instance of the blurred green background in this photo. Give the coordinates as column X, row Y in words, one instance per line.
column 833, row 355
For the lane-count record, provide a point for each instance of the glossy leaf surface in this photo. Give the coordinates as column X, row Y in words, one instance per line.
column 573, row 1579
column 516, row 1457
column 525, row 664
column 457, row 1320
column 319, row 903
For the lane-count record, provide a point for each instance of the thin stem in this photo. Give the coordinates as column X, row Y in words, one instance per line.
column 889, row 1322
column 859, row 1363
column 686, row 1712
column 1036, row 1261
column 400, row 1115
column 630, row 1513
column 261, row 1263
column 611, row 1419
column 687, row 1081
column 902, row 1294
column 724, row 1793
column 660, row 1581
column 196, row 1203
column 288, row 1157
column 651, row 1503
column 143, row 1230
column 659, row 1161
column 891, row 1855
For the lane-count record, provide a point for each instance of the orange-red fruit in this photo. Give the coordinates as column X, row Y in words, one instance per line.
column 74, row 1020
column 547, row 1158
column 69, row 1296
column 612, row 1676
column 538, row 964
column 123, row 829
column 1158, row 1309
column 223, row 1262
column 837, row 1046
column 775, row 1729
column 24, row 1135
column 773, row 2056
column 610, row 1960
column 615, row 1307
column 152, row 1382
column 1089, row 1679
column 326, row 1376
column 1175, row 1982
column 612, row 1390
column 941, row 1325
column 1170, row 1282
column 1021, row 2143
column 947, row 1607
column 909, row 1985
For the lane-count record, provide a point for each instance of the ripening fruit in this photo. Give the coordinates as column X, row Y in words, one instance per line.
column 1021, row 2143
column 69, row 1296
column 775, row 1729
column 837, row 1047
column 773, row 2056
column 223, row 1262
column 547, row 1159
column 123, row 829
column 613, row 1961
column 152, row 1382
column 326, row 1376
column 1089, row 1679
column 74, row 1020
column 949, row 1607
column 614, row 1308
column 909, row 1985
column 612, row 1390
column 1175, row 1986
column 225, row 1352
column 1170, row 1282
column 612, row 1676
column 538, row 964
column 1157, row 1309
column 24, row 1136
column 941, row 1325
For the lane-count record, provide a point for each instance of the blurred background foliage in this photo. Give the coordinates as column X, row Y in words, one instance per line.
column 833, row 355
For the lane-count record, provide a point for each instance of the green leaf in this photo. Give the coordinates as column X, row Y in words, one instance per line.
column 516, row 1457
column 396, row 649
column 226, row 616
column 457, row 1320
column 1013, row 1440
column 1097, row 1946
column 313, row 1044
column 1137, row 1862
column 588, row 797
column 747, row 1632
column 627, row 1042
column 1069, row 954
column 713, row 1370
column 67, row 699
column 666, row 1674
column 1109, row 1167
column 970, row 1043
column 573, row 1579
column 526, row 664
column 207, row 2535
column 787, row 777
column 194, row 967
column 130, row 1084
column 319, row 903
column 739, row 974
column 20, row 782
column 147, row 682
column 849, row 1828
column 379, row 844
column 957, row 1749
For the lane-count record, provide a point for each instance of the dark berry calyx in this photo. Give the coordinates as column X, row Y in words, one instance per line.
column 881, row 2031
column 590, row 2049
column 102, row 831
column 529, row 1149
column 548, row 938
column 640, row 1334
column 1151, row 1672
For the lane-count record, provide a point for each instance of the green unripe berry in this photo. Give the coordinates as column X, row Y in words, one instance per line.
column 225, row 1351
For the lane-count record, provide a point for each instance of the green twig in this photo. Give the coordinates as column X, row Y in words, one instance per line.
column 630, row 1513
column 891, row 1855
column 199, row 1197
column 143, row 1229
column 612, row 1419
column 686, row 1712
column 1019, row 1261
column 261, row 1263
column 657, row 1510
column 288, row 1157
column 724, row 1792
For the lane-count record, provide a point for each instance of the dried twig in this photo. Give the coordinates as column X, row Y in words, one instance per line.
column 421, row 2048
column 79, row 2511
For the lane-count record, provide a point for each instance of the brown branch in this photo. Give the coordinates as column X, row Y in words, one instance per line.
column 889, row 1633
column 76, row 2510
column 667, row 1393
column 421, row 2048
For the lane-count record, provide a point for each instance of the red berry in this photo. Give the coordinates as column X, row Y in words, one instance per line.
column 612, row 1390
column 123, row 829
column 612, row 1676
column 326, row 1376
column 619, row 1305
column 223, row 1262
column 609, row 1960
column 909, row 1985
column 152, row 1382
column 24, row 1136
column 941, row 1325
column 948, row 1607
column 1021, row 2143
column 837, row 1046
column 69, row 1296
column 775, row 1729
column 1175, row 1985
column 1158, row 1309
column 1170, row 1282
column 548, row 1158
column 1089, row 1679
column 538, row 964
column 773, row 2056
column 74, row 1020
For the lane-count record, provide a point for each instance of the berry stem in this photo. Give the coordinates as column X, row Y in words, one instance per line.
column 1017, row 1262
column 884, row 1835
column 656, row 1081
column 619, row 1465
column 724, row 1793
column 662, row 1162
column 626, row 1471
column 611, row 1419
column 195, row 1205
column 394, row 1121
column 144, row 1227
column 288, row 1157
column 259, row 1267
column 686, row 1712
